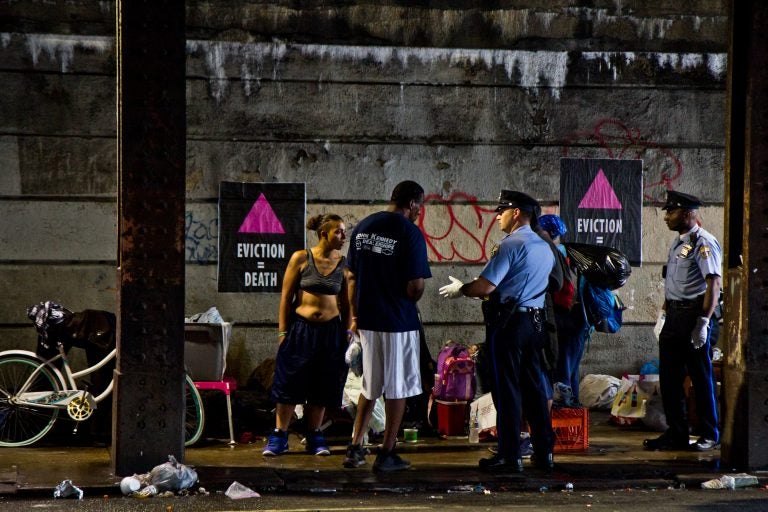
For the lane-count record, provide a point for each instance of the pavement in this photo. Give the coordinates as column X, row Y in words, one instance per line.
column 614, row 459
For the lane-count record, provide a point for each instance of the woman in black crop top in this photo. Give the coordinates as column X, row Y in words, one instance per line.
column 313, row 320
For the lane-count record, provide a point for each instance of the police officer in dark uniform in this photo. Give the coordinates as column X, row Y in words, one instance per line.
column 692, row 281
column 514, row 282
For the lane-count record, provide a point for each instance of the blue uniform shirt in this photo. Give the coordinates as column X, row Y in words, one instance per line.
column 520, row 269
column 689, row 264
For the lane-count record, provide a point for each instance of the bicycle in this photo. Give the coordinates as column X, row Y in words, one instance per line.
column 33, row 391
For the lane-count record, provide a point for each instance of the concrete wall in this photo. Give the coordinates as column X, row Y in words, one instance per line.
column 351, row 99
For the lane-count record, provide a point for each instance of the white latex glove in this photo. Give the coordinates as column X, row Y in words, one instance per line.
column 453, row 290
column 659, row 324
column 700, row 332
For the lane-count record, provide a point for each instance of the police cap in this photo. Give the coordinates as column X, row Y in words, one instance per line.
column 514, row 199
column 680, row 200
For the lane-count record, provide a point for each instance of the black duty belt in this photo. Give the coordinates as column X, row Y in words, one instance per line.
column 685, row 304
column 525, row 309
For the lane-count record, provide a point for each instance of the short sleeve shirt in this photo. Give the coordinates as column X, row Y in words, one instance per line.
column 386, row 252
column 692, row 257
column 520, row 269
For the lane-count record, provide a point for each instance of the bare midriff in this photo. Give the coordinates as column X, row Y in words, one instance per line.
column 317, row 308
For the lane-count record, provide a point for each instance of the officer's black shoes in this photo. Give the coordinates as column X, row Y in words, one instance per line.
column 665, row 442
column 546, row 462
column 501, row 465
column 703, row 444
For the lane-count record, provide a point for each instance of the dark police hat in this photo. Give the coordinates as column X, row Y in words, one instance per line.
column 514, row 199
column 681, row 200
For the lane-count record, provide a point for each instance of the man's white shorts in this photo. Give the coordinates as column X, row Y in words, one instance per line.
column 390, row 364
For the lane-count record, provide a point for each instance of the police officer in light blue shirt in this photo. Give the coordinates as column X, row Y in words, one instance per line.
column 692, row 281
column 514, row 282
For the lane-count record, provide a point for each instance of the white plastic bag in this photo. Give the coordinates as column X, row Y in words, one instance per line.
column 598, row 391
column 654, row 418
column 352, row 389
column 354, row 356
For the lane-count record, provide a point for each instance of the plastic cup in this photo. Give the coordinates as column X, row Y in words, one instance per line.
column 129, row 485
column 410, row 435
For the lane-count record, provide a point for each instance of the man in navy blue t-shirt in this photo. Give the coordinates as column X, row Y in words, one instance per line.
column 387, row 262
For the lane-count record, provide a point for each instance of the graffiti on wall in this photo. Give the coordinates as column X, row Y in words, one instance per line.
column 201, row 238
column 457, row 229
column 612, row 138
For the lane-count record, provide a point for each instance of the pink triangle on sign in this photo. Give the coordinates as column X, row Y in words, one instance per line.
column 600, row 195
column 261, row 219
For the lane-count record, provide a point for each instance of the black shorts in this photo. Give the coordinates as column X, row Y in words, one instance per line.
column 310, row 366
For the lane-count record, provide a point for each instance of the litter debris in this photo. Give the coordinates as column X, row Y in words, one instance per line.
column 145, row 492
column 238, row 491
column 731, row 482
column 67, row 489
column 461, row 488
column 569, row 487
column 164, row 480
column 129, row 484
column 172, row 476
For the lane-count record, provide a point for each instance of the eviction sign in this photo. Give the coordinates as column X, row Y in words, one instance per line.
column 260, row 226
column 601, row 203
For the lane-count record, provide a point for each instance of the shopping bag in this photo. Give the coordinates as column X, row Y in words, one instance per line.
column 630, row 403
column 654, row 417
column 484, row 412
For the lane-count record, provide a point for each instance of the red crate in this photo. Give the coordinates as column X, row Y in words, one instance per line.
column 451, row 418
column 571, row 428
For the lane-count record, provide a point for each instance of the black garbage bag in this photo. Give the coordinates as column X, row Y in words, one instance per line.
column 602, row 266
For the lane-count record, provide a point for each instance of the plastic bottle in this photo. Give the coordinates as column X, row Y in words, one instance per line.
column 474, row 430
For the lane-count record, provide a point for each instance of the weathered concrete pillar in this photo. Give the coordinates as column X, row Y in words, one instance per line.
column 745, row 404
column 148, row 406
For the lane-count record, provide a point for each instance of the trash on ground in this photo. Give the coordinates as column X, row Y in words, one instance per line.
column 145, row 492
column 67, row 489
column 172, row 476
column 238, row 491
column 731, row 482
column 130, row 484
column 461, row 488
column 166, row 479
column 569, row 487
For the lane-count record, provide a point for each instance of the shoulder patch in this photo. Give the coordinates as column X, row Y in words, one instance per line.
column 704, row 251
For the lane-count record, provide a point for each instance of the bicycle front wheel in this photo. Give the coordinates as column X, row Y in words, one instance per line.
column 23, row 424
column 194, row 419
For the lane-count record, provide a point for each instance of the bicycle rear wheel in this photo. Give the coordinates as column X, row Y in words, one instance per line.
column 22, row 424
column 194, row 419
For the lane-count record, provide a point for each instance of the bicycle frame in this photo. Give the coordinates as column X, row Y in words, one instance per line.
column 31, row 382
column 67, row 380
